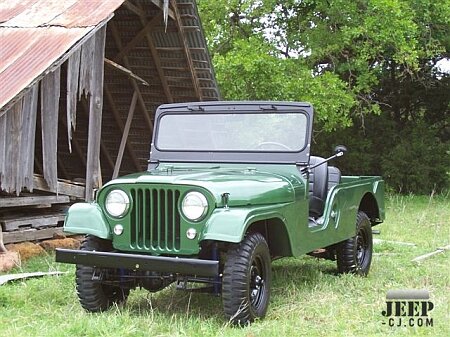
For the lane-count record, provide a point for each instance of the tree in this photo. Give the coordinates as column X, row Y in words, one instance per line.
column 366, row 63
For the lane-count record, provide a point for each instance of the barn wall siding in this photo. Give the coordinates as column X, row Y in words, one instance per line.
column 93, row 174
column 29, row 109
column 50, row 91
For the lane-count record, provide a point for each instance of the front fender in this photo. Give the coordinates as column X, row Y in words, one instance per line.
column 231, row 224
column 85, row 218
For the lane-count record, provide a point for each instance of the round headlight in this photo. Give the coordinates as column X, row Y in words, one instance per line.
column 117, row 203
column 194, row 206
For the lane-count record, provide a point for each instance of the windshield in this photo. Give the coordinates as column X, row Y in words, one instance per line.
column 229, row 132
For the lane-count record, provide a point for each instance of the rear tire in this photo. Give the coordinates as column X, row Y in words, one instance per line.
column 95, row 296
column 246, row 280
column 354, row 255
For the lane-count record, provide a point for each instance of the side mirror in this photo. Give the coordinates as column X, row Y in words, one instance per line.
column 340, row 150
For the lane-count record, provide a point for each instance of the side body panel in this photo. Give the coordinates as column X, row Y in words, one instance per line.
column 341, row 207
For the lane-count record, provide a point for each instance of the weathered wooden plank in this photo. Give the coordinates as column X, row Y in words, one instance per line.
column 125, row 136
column 32, row 234
column 64, row 188
column 35, row 200
column 36, row 221
column 87, row 56
column 29, row 108
column 14, row 127
column 50, row 91
column 93, row 175
column 3, row 146
column 73, row 72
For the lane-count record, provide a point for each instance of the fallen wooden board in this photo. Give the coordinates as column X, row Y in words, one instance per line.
column 376, row 241
column 13, row 277
column 426, row 256
column 32, row 234
column 35, row 200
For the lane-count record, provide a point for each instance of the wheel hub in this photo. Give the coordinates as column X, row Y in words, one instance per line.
column 256, row 284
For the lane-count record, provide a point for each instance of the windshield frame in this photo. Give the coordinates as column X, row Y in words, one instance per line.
column 233, row 156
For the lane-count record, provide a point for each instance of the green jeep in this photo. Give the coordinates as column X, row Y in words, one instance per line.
column 230, row 186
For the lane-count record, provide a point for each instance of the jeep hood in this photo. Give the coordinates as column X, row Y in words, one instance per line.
column 245, row 186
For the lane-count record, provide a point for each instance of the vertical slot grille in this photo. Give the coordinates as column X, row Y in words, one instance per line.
column 155, row 221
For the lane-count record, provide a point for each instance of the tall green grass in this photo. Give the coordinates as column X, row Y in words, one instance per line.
column 308, row 298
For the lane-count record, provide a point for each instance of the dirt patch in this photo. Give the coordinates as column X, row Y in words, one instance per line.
column 26, row 250
column 69, row 243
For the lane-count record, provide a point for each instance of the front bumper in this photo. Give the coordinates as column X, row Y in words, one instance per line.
column 162, row 264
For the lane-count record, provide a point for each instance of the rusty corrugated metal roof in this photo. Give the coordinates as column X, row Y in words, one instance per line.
column 39, row 49
column 36, row 34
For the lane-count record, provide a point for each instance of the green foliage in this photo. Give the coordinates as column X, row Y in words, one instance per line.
column 367, row 66
column 252, row 70
column 418, row 162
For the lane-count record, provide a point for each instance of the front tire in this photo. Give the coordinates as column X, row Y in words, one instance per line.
column 354, row 255
column 94, row 296
column 246, row 280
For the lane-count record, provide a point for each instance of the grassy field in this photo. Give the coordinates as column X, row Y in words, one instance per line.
column 308, row 299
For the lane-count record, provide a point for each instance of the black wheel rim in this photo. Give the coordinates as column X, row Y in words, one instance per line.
column 362, row 246
column 257, row 282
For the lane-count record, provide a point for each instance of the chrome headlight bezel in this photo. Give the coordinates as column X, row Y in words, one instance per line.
column 194, row 206
column 125, row 204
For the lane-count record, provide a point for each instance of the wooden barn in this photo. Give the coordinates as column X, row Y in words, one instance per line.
column 80, row 81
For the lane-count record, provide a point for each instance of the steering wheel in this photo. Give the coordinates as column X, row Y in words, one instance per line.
column 274, row 143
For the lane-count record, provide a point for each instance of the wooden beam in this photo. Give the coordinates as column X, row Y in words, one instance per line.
column 125, row 71
column 64, row 188
column 34, row 221
column 32, row 234
column 35, row 200
column 125, row 136
column 116, row 36
column 138, row 38
column 187, row 53
column 121, row 127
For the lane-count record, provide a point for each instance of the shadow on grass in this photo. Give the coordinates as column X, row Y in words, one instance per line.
column 306, row 271
column 170, row 302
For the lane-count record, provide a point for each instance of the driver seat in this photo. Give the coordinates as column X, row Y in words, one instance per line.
column 318, row 186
